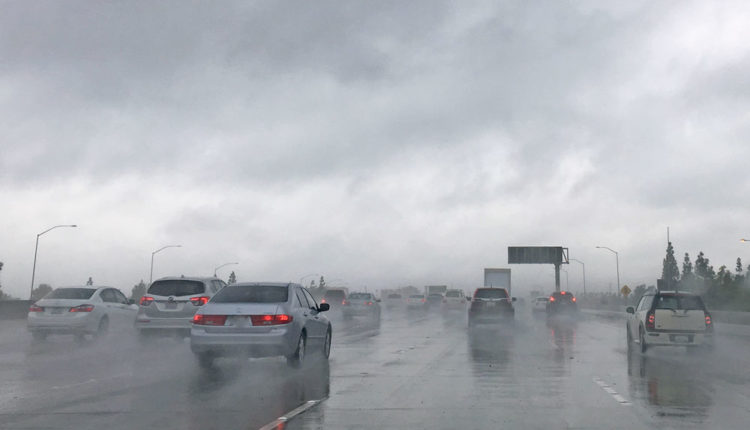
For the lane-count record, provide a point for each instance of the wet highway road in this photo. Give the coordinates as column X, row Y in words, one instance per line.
column 414, row 372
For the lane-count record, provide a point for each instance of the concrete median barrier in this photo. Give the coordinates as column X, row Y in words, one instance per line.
column 14, row 309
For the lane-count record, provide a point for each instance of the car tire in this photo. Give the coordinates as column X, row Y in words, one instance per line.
column 327, row 344
column 297, row 359
column 38, row 336
column 628, row 336
column 103, row 328
column 205, row 360
column 642, row 340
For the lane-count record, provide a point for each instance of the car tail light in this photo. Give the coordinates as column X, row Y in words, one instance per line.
column 424, row 300
column 82, row 308
column 146, row 300
column 344, row 302
column 562, row 292
column 573, row 299
column 650, row 320
column 35, row 308
column 551, row 299
column 199, row 301
column 201, row 319
column 709, row 322
column 271, row 319
column 369, row 303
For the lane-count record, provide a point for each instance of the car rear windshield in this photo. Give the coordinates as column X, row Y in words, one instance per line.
column 671, row 301
column 335, row 294
column 394, row 296
column 360, row 296
column 491, row 293
column 453, row 294
column 542, row 299
column 417, row 296
column 71, row 293
column 176, row 287
column 252, row 294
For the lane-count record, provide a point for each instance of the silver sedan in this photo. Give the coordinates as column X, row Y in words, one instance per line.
column 261, row 320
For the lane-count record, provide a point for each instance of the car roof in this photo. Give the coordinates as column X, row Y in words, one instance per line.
column 682, row 293
column 188, row 278
column 269, row 284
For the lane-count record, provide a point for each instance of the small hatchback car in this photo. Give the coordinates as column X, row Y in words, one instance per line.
column 669, row 318
column 561, row 302
column 261, row 320
column 170, row 303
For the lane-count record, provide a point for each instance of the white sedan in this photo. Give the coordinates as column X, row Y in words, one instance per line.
column 81, row 311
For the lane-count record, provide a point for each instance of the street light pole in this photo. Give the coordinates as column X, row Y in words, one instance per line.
column 584, row 274
column 151, row 277
column 36, row 248
column 307, row 276
column 223, row 265
column 617, row 262
column 567, row 285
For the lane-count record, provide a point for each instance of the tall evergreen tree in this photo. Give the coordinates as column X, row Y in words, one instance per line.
column 738, row 268
column 232, row 278
column 702, row 267
column 687, row 266
column 670, row 273
column 138, row 291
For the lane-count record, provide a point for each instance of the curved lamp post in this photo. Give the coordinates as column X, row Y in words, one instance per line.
column 151, row 277
column 36, row 248
column 223, row 265
column 617, row 261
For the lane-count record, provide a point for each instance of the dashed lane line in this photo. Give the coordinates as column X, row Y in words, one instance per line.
column 612, row 392
column 279, row 422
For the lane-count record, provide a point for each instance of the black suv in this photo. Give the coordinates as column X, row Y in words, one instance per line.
column 491, row 305
column 561, row 302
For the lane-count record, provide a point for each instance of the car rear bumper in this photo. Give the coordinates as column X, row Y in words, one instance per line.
column 278, row 341
column 62, row 325
column 143, row 322
column 491, row 318
column 667, row 338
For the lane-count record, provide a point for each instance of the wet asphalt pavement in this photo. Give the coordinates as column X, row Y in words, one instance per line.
column 415, row 371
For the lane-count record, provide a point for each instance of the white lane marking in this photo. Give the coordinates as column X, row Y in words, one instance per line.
column 278, row 422
column 612, row 392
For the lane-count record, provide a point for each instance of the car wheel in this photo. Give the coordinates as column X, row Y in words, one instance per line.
column 103, row 328
column 38, row 335
column 205, row 360
column 327, row 344
column 298, row 358
column 628, row 336
column 642, row 340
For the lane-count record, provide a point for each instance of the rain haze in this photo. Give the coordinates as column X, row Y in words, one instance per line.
column 378, row 144
column 353, row 174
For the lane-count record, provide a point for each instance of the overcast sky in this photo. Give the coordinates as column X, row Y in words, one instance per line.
column 379, row 144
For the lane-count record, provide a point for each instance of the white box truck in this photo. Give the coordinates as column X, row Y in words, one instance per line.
column 497, row 278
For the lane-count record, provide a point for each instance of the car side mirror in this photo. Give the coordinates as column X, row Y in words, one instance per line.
column 323, row 307
column 630, row 310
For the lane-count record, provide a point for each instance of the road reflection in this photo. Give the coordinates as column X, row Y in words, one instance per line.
column 671, row 383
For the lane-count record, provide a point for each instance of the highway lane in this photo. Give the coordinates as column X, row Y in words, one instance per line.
column 417, row 371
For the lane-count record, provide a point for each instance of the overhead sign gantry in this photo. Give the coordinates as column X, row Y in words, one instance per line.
column 556, row 255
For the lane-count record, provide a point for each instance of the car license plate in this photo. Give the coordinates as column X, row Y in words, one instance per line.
column 490, row 304
column 170, row 305
column 57, row 311
column 681, row 339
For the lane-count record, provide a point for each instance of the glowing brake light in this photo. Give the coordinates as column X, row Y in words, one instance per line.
column 573, row 299
column 562, row 292
column 146, row 300
column 369, row 303
column 709, row 322
column 199, row 301
column 215, row 320
column 35, row 308
column 271, row 319
column 551, row 299
column 650, row 320
column 82, row 308
column 344, row 302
